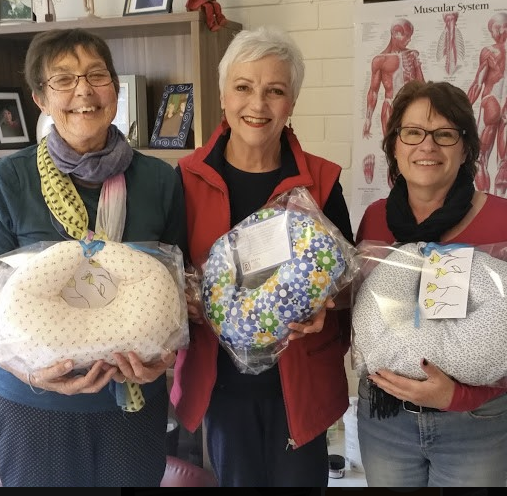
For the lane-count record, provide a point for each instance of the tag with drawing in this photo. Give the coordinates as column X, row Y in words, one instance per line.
column 445, row 282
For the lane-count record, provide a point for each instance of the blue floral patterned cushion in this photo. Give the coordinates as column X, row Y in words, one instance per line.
column 256, row 319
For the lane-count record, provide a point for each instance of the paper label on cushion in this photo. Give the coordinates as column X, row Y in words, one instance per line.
column 262, row 245
column 445, row 283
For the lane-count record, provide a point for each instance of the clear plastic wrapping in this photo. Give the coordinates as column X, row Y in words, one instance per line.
column 277, row 266
column 85, row 301
column 445, row 303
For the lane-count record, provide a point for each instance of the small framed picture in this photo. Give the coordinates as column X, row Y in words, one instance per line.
column 174, row 117
column 134, row 7
column 15, row 10
column 131, row 118
column 13, row 132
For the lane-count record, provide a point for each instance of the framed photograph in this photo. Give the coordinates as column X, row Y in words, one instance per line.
column 134, row 7
column 67, row 10
column 13, row 132
column 131, row 118
column 174, row 117
column 15, row 10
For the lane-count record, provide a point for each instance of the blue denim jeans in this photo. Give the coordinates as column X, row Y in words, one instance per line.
column 437, row 449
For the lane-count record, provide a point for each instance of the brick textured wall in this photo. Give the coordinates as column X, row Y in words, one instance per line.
column 324, row 31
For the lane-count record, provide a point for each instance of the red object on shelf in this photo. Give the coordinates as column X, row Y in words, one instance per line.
column 212, row 10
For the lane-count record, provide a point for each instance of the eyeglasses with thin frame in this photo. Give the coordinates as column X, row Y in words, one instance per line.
column 443, row 136
column 67, row 82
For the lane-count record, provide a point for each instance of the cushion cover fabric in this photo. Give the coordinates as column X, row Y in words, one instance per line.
column 385, row 333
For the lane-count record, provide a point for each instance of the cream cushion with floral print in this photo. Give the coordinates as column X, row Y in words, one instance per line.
column 61, row 304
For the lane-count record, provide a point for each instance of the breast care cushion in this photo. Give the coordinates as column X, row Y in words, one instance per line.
column 60, row 305
column 253, row 319
column 472, row 350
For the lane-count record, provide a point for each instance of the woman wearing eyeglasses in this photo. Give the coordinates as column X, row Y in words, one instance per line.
column 435, row 432
column 106, row 425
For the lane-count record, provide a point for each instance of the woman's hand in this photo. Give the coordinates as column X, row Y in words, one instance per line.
column 60, row 379
column 315, row 324
column 192, row 295
column 132, row 369
column 194, row 309
column 435, row 392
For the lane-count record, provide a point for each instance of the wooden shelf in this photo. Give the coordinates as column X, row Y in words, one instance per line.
column 113, row 27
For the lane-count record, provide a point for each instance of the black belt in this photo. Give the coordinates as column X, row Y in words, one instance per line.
column 413, row 408
column 384, row 405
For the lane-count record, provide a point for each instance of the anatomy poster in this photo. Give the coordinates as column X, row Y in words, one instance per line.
column 462, row 42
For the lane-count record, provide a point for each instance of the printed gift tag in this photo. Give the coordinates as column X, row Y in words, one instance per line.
column 263, row 245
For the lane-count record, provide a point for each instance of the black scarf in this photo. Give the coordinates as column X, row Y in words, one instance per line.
column 401, row 220
column 402, row 223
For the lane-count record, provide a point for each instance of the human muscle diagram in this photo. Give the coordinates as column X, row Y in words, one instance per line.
column 461, row 42
column 451, row 45
column 391, row 69
column 490, row 84
column 369, row 167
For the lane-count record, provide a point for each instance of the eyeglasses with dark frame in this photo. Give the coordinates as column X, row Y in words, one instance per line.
column 67, row 82
column 443, row 136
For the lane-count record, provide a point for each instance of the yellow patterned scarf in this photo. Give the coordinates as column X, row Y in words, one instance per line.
column 68, row 208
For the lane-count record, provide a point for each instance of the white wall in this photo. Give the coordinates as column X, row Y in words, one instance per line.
column 324, row 31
